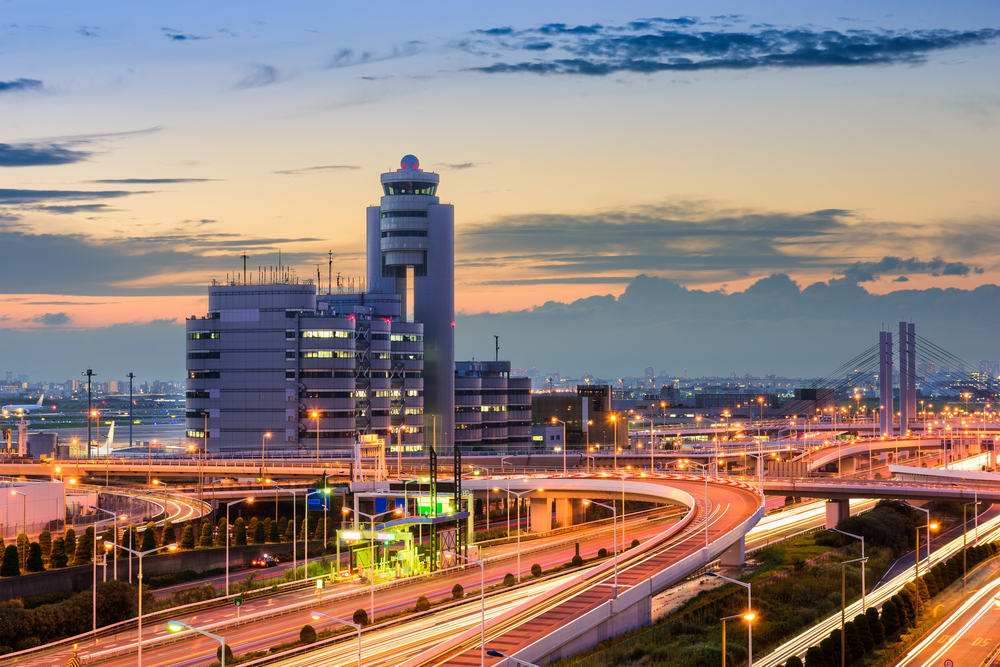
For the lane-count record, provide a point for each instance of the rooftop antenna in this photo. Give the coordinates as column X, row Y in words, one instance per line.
column 329, row 274
column 496, row 340
column 279, row 261
column 244, row 255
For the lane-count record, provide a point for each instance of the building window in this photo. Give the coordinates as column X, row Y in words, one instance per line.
column 203, row 335
column 195, row 434
column 404, row 232
column 404, row 214
column 409, row 188
column 203, row 375
column 198, row 394
column 406, row 338
column 325, row 333
column 203, row 355
column 325, row 354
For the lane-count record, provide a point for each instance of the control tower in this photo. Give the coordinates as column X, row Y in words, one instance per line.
column 411, row 252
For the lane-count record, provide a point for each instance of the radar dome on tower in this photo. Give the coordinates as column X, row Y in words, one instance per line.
column 409, row 162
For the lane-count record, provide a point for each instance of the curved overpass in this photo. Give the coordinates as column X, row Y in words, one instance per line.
column 584, row 611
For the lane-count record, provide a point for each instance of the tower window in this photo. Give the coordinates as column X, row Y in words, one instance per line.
column 406, row 232
column 409, row 188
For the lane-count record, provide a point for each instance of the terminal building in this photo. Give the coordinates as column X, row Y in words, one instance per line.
column 278, row 365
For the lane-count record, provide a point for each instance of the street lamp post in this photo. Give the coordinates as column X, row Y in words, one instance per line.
column 263, row 440
column 140, row 554
column 559, row 421
column 371, row 543
column 685, row 462
column 518, row 494
column 614, row 425
column 115, row 524
column 749, row 615
column 916, row 567
column 294, row 531
column 316, row 417
column 858, row 537
column 317, row 615
column 24, row 526
column 497, row 654
column 843, row 604
column 324, row 492
column 614, row 519
column 482, row 599
column 228, row 533
column 177, row 626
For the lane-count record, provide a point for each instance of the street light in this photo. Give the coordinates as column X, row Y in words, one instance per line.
column 614, row 425
column 685, row 462
column 262, row 441
column 916, row 567
column 228, row 533
column 24, row 509
column 614, row 519
column 140, row 554
column 294, row 531
column 559, row 421
column 482, row 600
column 315, row 416
column 177, row 626
column 317, row 615
column 497, row 654
column 749, row 616
column 371, row 542
column 518, row 494
column 857, row 537
column 325, row 491
column 115, row 524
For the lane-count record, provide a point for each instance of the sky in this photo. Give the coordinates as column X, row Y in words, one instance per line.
column 712, row 152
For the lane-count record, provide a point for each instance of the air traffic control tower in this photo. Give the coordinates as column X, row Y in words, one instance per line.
column 411, row 252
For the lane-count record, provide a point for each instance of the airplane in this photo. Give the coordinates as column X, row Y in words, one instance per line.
column 23, row 409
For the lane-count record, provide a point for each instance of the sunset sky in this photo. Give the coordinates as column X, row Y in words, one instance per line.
column 144, row 148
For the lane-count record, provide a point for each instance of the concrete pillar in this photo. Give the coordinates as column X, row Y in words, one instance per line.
column 564, row 512
column 848, row 465
column 735, row 556
column 837, row 510
column 885, row 383
column 541, row 515
column 579, row 511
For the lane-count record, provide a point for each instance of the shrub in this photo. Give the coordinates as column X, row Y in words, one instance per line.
column 852, row 642
column 149, row 537
column 35, row 562
column 169, row 535
column 508, row 579
column 229, row 652
column 205, row 538
column 26, row 643
column 423, row 604
column 307, row 635
column 814, row 657
column 799, row 564
column 602, row 553
column 864, row 633
column 4, row 650
column 577, row 560
column 289, row 531
column 10, row 567
column 271, row 530
column 57, row 558
column 259, row 532
column 84, row 544
column 457, row 592
column 361, row 616
column 536, row 570
column 69, row 542
column 889, row 618
column 221, row 531
column 240, row 532
column 187, row 536
column 794, row 661
column 282, row 530
column 875, row 626
column 635, row 543
column 45, row 542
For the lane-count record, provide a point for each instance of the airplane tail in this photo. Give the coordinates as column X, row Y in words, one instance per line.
column 40, row 399
column 111, row 437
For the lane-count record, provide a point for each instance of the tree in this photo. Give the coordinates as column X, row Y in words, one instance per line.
column 45, row 542
column 307, row 635
column 361, row 616
column 536, row 570
column 923, row 590
column 116, row 601
column 794, row 661
column 867, row 641
column 814, row 657
column 187, row 536
column 283, row 530
column 240, row 532
column 229, row 653
column 221, row 532
column 169, row 536
column 831, row 648
column 576, row 561
column 205, row 541
column 22, row 548
column 149, row 537
column 457, row 592
column 35, row 562
column 11, row 566
column 69, row 542
column 304, row 528
column 954, row 568
column 509, row 580
column 84, row 546
column 875, row 626
column 289, row 531
column 889, row 618
column 271, row 530
column 852, row 642
column 423, row 604
column 57, row 558
column 259, row 533
column 930, row 583
column 253, row 528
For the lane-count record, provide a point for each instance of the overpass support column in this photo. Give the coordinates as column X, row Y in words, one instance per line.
column 735, row 556
column 848, row 465
column 837, row 510
column 579, row 511
column 564, row 512
column 541, row 515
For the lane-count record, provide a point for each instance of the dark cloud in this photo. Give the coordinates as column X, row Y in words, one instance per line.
column 178, row 36
column 685, row 44
column 569, row 280
column 51, row 318
column 37, row 155
column 306, row 170
column 154, row 181
column 20, row 85
column 89, row 31
column 462, row 165
column 11, row 196
column 350, row 58
column 901, row 279
column 863, row 272
column 259, row 75
column 775, row 326
column 69, row 210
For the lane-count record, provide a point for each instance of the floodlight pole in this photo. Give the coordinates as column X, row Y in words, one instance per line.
column 614, row 542
column 858, row 537
column 316, row 615
column 749, row 611
column 140, row 554
column 482, row 599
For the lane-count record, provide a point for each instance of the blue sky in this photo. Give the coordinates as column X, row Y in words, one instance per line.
column 583, row 144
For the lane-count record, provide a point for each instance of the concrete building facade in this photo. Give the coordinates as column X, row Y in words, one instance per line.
column 492, row 409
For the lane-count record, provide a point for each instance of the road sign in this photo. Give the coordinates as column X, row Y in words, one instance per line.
column 949, row 663
column 238, row 602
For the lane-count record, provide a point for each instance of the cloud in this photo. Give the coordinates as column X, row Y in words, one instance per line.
column 259, row 75
column 12, row 196
column 69, row 210
column 154, row 181
column 774, row 326
column 178, row 36
column 863, row 272
column 569, row 280
column 20, row 85
column 463, row 165
column 35, row 155
column 349, row 58
column 901, row 279
column 89, row 31
column 51, row 318
column 685, row 45
column 306, row 170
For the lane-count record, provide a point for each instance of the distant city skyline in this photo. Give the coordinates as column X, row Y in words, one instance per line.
column 819, row 170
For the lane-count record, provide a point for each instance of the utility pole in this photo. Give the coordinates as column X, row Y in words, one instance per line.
column 329, row 274
column 244, row 256
column 89, row 373
column 496, row 339
column 130, row 404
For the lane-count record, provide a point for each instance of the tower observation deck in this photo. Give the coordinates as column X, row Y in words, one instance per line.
column 411, row 250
